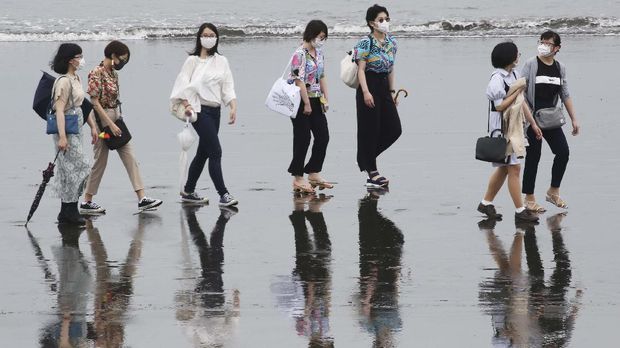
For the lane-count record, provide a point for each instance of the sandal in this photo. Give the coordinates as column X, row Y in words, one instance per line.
column 321, row 184
column 556, row 200
column 535, row 207
column 303, row 188
column 378, row 182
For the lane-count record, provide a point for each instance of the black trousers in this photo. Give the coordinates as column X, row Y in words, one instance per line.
column 305, row 126
column 379, row 127
column 559, row 146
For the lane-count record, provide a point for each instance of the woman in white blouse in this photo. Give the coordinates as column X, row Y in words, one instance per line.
column 204, row 84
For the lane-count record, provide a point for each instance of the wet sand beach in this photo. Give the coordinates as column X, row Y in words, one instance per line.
column 409, row 268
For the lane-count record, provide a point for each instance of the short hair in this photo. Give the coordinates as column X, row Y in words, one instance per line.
column 549, row 34
column 504, row 54
column 66, row 52
column 372, row 13
column 313, row 29
column 118, row 48
column 198, row 45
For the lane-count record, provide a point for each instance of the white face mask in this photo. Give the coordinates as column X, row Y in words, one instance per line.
column 383, row 27
column 317, row 43
column 208, row 42
column 544, row 50
column 81, row 64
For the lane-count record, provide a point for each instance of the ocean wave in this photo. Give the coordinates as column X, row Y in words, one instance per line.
column 437, row 28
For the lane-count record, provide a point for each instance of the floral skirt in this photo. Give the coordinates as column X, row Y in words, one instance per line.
column 72, row 167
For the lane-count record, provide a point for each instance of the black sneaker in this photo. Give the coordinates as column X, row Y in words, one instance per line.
column 149, row 203
column 526, row 216
column 89, row 208
column 489, row 210
column 193, row 198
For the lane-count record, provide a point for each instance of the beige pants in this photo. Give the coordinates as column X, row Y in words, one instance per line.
column 101, row 160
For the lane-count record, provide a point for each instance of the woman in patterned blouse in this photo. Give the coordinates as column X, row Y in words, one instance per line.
column 308, row 73
column 103, row 89
column 378, row 123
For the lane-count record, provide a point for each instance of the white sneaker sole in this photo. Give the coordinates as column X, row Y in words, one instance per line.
column 229, row 204
column 92, row 211
column 202, row 201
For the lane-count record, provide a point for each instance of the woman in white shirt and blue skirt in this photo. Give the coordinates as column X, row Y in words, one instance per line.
column 204, row 84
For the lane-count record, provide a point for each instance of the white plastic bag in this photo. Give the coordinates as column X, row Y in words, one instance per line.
column 284, row 98
column 186, row 140
column 348, row 71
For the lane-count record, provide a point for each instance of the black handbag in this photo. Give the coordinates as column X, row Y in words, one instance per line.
column 114, row 142
column 489, row 148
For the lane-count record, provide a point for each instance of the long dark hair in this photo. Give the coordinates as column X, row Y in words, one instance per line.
column 66, row 52
column 198, row 47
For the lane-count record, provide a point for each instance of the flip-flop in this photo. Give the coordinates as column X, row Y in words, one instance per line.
column 556, row 200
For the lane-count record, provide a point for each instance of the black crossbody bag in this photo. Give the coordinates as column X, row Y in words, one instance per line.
column 113, row 142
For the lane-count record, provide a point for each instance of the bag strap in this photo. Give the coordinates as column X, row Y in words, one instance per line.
column 53, row 102
column 492, row 104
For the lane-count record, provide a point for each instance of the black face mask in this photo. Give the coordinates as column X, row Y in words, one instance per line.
column 120, row 65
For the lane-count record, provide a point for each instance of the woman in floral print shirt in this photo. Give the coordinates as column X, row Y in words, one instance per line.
column 103, row 89
column 378, row 123
column 307, row 72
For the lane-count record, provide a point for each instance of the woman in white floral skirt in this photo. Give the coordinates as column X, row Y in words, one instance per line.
column 72, row 167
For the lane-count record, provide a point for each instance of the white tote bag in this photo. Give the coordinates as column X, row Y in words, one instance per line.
column 284, row 98
column 348, row 71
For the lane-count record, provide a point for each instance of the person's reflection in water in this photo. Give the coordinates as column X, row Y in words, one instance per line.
column 209, row 320
column 554, row 312
column 504, row 296
column 75, row 281
column 312, row 269
column 381, row 243
column 525, row 310
column 113, row 293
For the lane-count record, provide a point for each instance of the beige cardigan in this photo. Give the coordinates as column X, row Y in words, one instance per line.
column 514, row 121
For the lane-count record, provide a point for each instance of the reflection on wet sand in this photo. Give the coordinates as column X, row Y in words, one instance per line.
column 381, row 243
column 75, row 285
column 113, row 293
column 526, row 310
column 306, row 293
column 70, row 327
column 201, row 304
column 312, row 268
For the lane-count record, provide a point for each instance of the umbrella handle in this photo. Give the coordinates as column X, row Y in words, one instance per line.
column 399, row 91
column 57, row 153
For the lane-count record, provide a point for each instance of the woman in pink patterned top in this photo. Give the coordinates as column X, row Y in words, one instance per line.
column 307, row 72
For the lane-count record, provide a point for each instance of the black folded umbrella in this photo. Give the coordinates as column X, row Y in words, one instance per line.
column 47, row 175
column 43, row 97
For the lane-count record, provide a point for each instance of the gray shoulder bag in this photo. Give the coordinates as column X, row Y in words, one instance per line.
column 551, row 118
